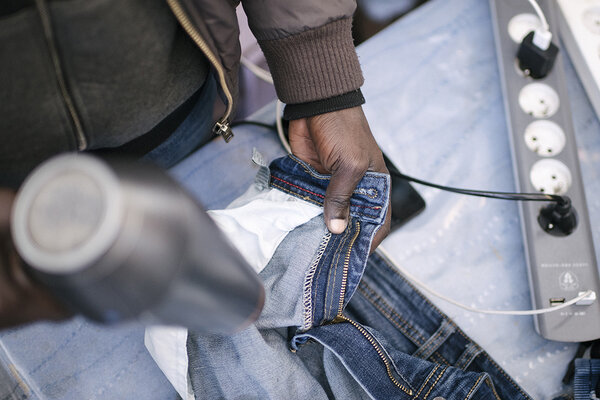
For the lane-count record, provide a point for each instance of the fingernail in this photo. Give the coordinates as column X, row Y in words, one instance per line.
column 337, row 226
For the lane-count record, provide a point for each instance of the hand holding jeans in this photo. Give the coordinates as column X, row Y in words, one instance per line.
column 339, row 143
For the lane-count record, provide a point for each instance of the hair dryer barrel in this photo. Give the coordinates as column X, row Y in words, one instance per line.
column 118, row 240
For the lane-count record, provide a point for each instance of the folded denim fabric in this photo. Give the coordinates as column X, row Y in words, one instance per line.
column 314, row 338
column 586, row 383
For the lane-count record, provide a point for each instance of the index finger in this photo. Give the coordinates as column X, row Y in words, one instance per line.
column 337, row 196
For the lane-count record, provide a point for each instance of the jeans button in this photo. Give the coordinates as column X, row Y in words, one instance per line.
column 439, row 398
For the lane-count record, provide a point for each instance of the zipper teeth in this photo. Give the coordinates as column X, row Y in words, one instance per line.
column 377, row 348
column 308, row 315
column 197, row 38
column 345, row 271
column 45, row 16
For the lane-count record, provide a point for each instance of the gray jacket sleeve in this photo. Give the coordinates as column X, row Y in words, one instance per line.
column 308, row 46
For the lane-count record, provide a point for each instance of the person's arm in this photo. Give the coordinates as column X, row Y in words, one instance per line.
column 21, row 299
column 309, row 48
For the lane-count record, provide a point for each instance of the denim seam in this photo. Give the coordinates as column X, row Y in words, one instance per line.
column 380, row 351
column 445, row 329
column 438, row 358
column 435, row 383
column 386, row 263
column 418, row 341
column 508, row 378
column 308, row 170
column 308, row 280
column 488, row 381
column 373, row 298
column 474, row 386
column 318, row 274
column 424, row 385
column 306, row 198
column 345, row 269
column 320, row 195
column 467, row 357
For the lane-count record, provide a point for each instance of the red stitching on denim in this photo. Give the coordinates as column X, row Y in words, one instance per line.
column 321, row 196
column 298, row 187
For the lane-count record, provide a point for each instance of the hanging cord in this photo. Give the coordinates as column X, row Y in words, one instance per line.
column 426, row 288
column 265, row 75
column 562, row 200
column 540, row 13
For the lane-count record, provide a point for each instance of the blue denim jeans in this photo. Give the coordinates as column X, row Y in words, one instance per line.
column 327, row 331
column 586, row 383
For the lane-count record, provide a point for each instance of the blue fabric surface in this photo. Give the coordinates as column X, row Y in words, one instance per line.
column 435, row 105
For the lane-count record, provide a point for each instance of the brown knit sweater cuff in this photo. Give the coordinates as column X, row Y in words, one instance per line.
column 317, row 64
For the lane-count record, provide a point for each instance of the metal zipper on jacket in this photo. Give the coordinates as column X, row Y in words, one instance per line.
column 45, row 16
column 222, row 127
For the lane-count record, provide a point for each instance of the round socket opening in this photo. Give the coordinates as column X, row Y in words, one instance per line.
column 545, row 138
column 521, row 24
column 550, row 176
column 539, row 100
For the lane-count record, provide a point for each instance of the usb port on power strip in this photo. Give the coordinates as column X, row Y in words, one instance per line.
column 556, row 301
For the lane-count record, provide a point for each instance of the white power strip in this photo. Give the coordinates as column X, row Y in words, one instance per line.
column 545, row 158
column 580, row 32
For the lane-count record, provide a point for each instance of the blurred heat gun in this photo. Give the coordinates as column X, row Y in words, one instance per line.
column 121, row 240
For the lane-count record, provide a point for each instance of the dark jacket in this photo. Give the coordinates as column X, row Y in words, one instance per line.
column 88, row 74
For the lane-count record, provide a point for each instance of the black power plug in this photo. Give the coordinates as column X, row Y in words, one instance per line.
column 558, row 218
column 534, row 60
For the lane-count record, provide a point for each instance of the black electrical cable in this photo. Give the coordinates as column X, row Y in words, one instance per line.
column 561, row 200
column 564, row 201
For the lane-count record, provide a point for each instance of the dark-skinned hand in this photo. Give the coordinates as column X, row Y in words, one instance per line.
column 339, row 143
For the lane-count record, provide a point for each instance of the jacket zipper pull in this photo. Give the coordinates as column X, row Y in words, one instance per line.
column 222, row 128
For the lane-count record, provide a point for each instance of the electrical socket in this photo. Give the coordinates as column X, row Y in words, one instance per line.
column 558, row 266
column 550, row 176
column 521, row 24
column 545, row 138
column 539, row 100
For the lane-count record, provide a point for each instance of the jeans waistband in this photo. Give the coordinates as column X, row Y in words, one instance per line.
column 339, row 263
column 368, row 202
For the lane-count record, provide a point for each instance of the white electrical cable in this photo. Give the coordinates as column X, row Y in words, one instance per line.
column 265, row 75
column 540, row 14
column 426, row 288
column 279, row 123
column 260, row 73
column 542, row 38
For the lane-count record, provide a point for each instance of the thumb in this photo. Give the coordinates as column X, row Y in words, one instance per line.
column 337, row 197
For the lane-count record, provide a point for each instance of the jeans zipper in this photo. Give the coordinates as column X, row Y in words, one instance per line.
column 222, row 126
column 345, row 271
column 378, row 349
column 60, row 78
